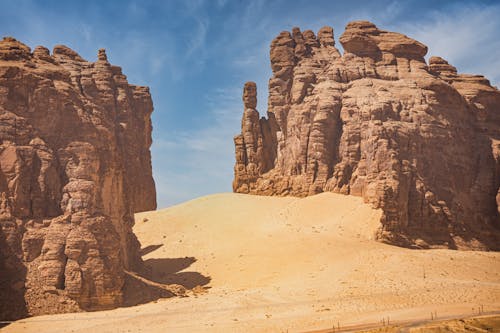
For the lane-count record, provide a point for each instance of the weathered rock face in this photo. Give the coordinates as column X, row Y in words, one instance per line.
column 74, row 167
column 419, row 141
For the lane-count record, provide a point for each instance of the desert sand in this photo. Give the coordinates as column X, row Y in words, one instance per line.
column 475, row 324
column 271, row 264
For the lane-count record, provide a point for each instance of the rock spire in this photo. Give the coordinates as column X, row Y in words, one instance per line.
column 419, row 141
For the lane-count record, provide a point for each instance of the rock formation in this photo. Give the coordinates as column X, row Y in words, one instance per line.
column 75, row 166
column 419, row 141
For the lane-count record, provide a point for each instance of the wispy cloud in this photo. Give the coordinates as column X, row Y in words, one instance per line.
column 206, row 154
column 467, row 36
column 86, row 31
column 197, row 41
column 193, row 163
column 196, row 55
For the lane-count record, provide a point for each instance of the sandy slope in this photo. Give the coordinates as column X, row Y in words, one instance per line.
column 286, row 264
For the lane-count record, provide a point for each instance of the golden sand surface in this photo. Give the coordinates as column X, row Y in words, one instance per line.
column 272, row 264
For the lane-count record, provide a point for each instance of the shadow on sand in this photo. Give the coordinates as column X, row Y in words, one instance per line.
column 146, row 287
column 168, row 271
column 149, row 249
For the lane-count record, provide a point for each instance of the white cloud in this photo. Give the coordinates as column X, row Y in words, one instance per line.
column 204, row 158
column 193, row 163
column 86, row 31
column 196, row 42
column 466, row 36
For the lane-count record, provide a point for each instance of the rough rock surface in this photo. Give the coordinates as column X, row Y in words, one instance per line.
column 419, row 141
column 74, row 167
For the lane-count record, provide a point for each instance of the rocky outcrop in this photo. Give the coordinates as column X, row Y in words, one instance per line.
column 419, row 141
column 75, row 166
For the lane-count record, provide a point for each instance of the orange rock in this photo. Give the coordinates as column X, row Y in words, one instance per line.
column 420, row 142
column 75, row 166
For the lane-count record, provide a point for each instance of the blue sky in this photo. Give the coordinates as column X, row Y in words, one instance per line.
column 196, row 55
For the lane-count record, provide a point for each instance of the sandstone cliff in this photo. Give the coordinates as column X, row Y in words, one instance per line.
column 418, row 140
column 74, row 167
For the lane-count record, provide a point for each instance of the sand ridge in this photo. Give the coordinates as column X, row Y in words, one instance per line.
column 271, row 264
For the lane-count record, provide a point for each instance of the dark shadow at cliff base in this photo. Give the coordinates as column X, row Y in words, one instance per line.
column 12, row 304
column 12, row 280
column 465, row 238
column 485, row 238
column 160, row 272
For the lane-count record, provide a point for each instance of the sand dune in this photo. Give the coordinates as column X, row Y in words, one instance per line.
column 269, row 264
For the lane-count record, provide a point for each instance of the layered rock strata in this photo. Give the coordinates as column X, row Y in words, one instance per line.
column 75, row 166
column 420, row 141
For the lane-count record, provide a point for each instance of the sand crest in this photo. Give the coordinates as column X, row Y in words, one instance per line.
column 269, row 264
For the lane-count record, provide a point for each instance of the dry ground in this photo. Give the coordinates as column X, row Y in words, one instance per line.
column 269, row 264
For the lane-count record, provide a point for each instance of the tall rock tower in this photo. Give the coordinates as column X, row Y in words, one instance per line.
column 75, row 166
column 417, row 140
